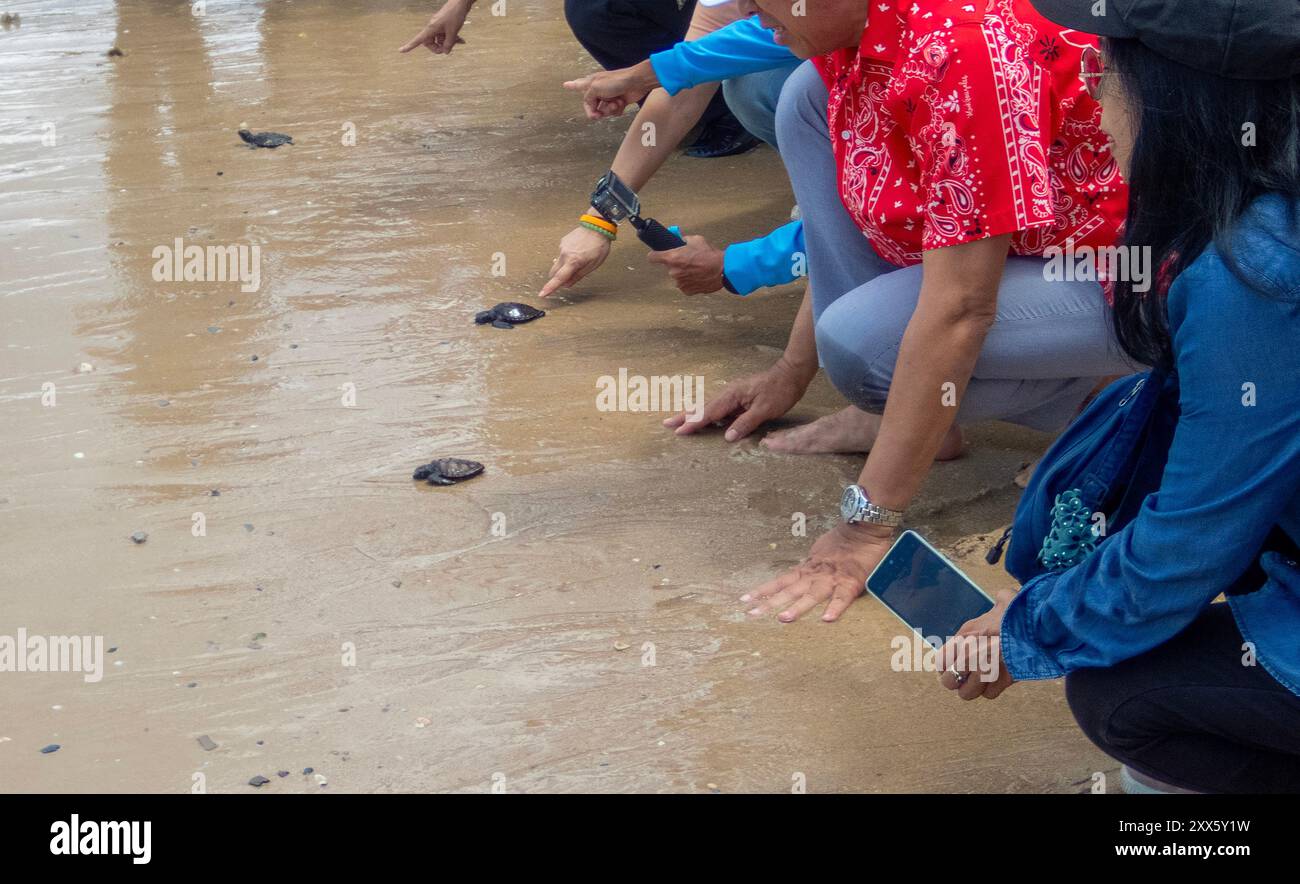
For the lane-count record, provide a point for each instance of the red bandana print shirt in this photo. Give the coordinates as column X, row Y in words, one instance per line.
column 956, row 120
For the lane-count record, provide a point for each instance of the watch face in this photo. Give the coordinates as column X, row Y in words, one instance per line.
column 849, row 503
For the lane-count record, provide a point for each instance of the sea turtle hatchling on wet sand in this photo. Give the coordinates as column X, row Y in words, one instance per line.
column 447, row 471
column 508, row 314
column 264, row 139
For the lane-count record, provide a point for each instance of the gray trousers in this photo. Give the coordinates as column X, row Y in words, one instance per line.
column 1049, row 345
column 753, row 99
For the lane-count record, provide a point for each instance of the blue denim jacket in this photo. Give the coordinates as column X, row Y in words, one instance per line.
column 1233, row 474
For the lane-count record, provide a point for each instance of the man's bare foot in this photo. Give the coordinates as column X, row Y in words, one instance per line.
column 848, row 431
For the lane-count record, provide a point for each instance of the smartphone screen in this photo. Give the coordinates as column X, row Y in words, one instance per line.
column 925, row 590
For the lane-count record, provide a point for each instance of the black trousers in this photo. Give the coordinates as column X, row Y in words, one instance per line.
column 1191, row 714
column 621, row 33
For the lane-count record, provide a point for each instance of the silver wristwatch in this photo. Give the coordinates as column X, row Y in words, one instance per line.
column 856, row 508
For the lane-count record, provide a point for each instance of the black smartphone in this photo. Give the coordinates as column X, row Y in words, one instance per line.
column 925, row 590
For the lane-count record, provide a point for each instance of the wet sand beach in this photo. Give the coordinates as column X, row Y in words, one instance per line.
column 569, row 621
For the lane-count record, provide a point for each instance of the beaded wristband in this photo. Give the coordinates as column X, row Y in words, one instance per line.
column 602, row 231
column 608, row 226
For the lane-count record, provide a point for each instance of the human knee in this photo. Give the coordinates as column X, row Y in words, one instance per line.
column 585, row 18
column 857, row 360
column 802, row 107
column 1104, row 712
column 750, row 102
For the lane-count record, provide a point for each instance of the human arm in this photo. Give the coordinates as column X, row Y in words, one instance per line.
column 1233, row 468
column 742, row 47
column 748, row 402
column 660, row 124
column 442, row 33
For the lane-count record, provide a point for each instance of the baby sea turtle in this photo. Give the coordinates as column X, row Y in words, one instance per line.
column 264, row 139
column 508, row 314
column 447, row 471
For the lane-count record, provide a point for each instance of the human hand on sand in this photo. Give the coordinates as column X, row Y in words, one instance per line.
column 696, row 268
column 835, row 573
column 442, row 33
column 747, row 402
column 976, row 652
column 608, row 93
column 581, row 252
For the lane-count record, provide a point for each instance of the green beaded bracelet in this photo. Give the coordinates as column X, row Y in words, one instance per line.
column 602, row 231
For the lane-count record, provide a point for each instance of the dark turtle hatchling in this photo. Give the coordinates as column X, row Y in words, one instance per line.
column 508, row 314
column 447, row 471
column 264, row 139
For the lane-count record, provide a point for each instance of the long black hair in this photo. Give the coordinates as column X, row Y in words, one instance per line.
column 1206, row 148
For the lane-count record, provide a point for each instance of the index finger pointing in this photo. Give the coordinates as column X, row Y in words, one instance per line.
column 562, row 277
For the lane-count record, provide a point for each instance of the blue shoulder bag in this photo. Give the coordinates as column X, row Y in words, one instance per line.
column 1094, row 478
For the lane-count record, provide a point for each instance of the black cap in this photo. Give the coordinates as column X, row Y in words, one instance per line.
column 1237, row 39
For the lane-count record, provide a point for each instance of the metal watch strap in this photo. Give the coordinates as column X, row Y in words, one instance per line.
column 867, row 512
column 878, row 515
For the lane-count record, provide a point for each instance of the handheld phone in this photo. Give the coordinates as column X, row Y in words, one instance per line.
column 925, row 590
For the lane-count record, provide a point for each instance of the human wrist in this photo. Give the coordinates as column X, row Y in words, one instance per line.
column 865, row 532
column 643, row 76
column 802, row 370
column 592, row 210
column 595, row 235
column 595, row 222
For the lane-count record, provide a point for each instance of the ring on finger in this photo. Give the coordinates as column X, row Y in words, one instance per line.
column 959, row 677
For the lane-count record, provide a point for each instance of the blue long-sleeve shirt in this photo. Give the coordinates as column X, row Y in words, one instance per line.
column 1233, row 474
column 742, row 47
column 774, row 259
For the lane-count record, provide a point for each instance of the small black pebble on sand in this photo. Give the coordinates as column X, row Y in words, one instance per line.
column 293, row 346
column 281, row 773
column 248, row 526
column 115, row 53
column 214, row 493
column 193, row 684
column 139, row 537
column 113, row 650
column 307, row 770
column 261, row 742
column 53, row 747
column 253, row 358
column 397, row 584
column 258, row 781
column 206, row 742
column 219, row 174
